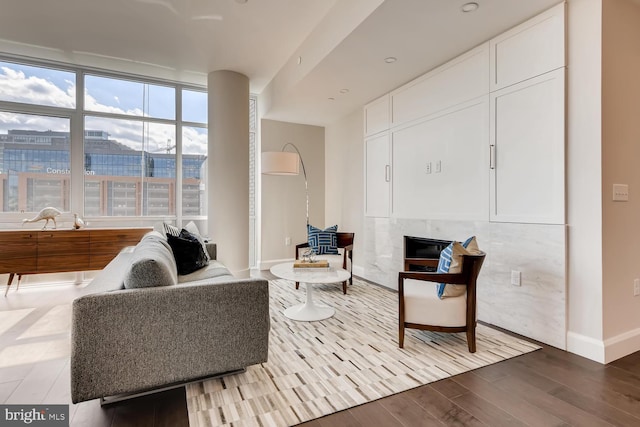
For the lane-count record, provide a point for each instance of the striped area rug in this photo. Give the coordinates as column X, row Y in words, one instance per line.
column 318, row 368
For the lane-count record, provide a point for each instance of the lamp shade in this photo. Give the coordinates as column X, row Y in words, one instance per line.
column 280, row 163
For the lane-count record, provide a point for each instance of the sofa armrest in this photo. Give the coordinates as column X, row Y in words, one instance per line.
column 140, row 339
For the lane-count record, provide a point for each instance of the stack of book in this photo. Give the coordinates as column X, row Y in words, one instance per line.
column 303, row 265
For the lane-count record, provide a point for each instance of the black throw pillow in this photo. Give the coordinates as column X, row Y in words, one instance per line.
column 188, row 252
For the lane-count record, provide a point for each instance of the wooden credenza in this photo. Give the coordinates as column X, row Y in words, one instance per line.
column 53, row 251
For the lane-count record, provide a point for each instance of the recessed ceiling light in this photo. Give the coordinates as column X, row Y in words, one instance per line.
column 470, row 7
column 331, row 99
column 390, row 59
column 344, row 90
column 299, row 60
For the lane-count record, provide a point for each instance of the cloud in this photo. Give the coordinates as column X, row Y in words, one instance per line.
column 17, row 87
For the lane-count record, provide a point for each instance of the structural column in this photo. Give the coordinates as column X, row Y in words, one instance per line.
column 228, row 168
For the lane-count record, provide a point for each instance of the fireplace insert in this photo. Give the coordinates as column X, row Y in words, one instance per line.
column 421, row 253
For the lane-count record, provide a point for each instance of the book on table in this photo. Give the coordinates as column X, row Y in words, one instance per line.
column 322, row 263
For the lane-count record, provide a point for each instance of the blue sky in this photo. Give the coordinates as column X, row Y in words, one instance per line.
column 22, row 83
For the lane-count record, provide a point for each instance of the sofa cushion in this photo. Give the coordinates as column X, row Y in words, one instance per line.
column 192, row 228
column 423, row 306
column 171, row 230
column 189, row 253
column 212, row 270
column 152, row 264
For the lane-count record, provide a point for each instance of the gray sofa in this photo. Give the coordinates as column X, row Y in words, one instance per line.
column 134, row 340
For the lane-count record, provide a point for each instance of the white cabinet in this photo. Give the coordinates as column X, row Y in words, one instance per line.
column 377, row 175
column 530, row 49
column 440, row 165
column 481, row 137
column 376, row 116
column 456, row 82
column 527, row 151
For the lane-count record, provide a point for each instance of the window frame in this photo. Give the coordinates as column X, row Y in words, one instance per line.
column 77, row 117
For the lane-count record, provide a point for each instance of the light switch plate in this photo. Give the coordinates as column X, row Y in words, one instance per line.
column 620, row 192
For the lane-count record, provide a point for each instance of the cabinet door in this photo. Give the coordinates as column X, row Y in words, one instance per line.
column 527, row 151
column 440, row 165
column 63, row 250
column 377, row 176
column 531, row 49
column 105, row 244
column 376, row 116
column 18, row 251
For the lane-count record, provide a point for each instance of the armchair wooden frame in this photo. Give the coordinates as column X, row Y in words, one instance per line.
column 345, row 241
column 471, row 265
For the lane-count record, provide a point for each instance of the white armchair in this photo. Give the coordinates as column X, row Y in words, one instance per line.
column 420, row 307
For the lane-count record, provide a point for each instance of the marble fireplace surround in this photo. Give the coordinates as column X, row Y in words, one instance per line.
column 536, row 309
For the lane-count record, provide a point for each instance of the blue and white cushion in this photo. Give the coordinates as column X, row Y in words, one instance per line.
column 449, row 262
column 323, row 241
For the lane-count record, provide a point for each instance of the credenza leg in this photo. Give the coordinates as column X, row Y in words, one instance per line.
column 19, row 279
column 9, row 283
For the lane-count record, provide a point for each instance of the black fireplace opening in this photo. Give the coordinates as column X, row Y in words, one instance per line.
column 419, row 251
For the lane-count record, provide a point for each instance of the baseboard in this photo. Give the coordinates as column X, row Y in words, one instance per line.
column 585, row 346
column 622, row 345
column 266, row 265
column 358, row 271
column 604, row 351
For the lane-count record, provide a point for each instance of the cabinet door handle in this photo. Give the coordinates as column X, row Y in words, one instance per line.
column 387, row 173
column 492, row 156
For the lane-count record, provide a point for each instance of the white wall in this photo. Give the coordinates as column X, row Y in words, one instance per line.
column 584, row 201
column 603, row 136
column 283, row 197
column 344, row 158
column 620, row 156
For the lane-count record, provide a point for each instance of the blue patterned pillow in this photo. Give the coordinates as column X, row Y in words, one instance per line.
column 323, row 241
column 444, row 263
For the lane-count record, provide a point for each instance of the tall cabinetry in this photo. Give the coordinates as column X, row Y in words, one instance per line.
column 478, row 138
column 528, row 121
column 377, row 158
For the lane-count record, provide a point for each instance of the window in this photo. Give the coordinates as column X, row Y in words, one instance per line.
column 130, row 167
column 117, row 96
column 194, row 171
column 194, row 106
column 37, row 85
column 132, row 134
column 34, row 162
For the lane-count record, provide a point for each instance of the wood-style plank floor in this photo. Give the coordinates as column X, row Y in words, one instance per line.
column 548, row 387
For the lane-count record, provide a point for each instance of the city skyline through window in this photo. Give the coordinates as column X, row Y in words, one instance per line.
column 131, row 143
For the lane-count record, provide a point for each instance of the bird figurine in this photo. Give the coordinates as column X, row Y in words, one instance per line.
column 46, row 213
column 77, row 221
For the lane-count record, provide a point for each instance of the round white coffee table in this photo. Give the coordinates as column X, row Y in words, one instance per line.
column 309, row 310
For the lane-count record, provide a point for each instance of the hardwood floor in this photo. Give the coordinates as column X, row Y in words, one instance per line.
column 548, row 387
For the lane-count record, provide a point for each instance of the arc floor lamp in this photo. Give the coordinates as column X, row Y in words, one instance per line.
column 285, row 163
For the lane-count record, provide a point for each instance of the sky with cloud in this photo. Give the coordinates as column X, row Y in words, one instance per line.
column 33, row 85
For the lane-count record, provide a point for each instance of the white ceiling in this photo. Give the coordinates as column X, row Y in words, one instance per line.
column 341, row 43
